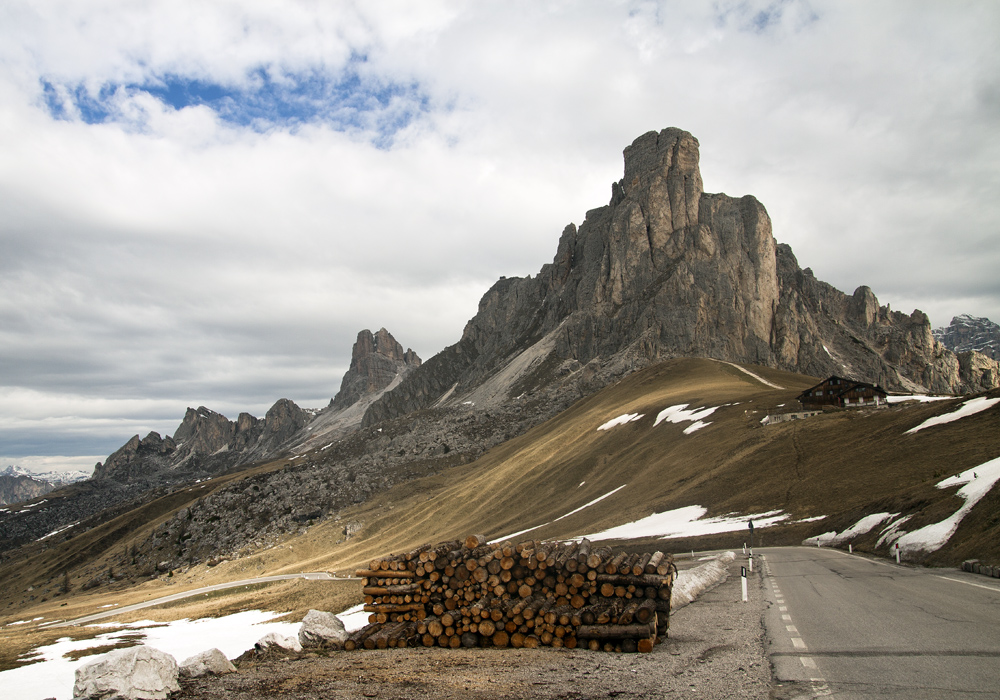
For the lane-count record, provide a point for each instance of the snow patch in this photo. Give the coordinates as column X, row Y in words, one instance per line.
column 968, row 408
column 976, row 483
column 621, row 420
column 891, row 532
column 685, row 522
column 922, row 398
column 53, row 674
column 587, row 505
column 755, row 376
column 680, row 413
column 863, row 526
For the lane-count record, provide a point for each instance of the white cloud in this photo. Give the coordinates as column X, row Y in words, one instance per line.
column 178, row 256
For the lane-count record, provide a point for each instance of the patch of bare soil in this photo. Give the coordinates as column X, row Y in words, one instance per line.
column 715, row 650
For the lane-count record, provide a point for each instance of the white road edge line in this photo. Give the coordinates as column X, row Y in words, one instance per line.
column 970, row 583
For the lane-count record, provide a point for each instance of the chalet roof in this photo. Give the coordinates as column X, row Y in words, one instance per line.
column 841, row 386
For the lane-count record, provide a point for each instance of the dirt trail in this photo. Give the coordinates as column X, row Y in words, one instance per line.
column 715, row 650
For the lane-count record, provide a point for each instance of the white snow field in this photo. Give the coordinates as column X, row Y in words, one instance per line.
column 968, row 408
column 53, row 674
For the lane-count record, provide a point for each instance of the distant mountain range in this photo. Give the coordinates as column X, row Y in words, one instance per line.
column 971, row 333
column 18, row 484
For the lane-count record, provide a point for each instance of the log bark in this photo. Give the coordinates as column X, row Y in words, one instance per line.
column 606, row 632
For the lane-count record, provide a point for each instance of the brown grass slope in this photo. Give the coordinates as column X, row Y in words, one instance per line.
column 842, row 465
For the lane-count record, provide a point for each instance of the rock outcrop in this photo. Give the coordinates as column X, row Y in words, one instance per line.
column 376, row 361
column 17, row 487
column 204, row 444
column 132, row 673
column 968, row 333
column 208, row 663
column 319, row 628
column 667, row 270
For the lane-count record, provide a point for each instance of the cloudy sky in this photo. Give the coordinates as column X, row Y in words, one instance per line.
column 203, row 203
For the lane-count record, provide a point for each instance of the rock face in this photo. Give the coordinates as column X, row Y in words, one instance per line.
column 16, row 487
column 971, row 334
column 667, row 270
column 136, row 672
column 205, row 443
column 376, row 361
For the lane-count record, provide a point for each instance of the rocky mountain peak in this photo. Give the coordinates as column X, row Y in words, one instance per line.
column 666, row 270
column 971, row 333
column 377, row 359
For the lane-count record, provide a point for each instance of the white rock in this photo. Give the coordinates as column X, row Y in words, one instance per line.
column 211, row 662
column 279, row 640
column 319, row 627
column 136, row 672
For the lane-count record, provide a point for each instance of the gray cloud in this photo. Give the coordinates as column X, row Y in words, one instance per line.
column 158, row 257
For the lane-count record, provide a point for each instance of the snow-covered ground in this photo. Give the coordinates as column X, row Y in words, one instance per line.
column 53, row 674
column 975, row 483
column 688, row 521
column 620, row 420
column 672, row 414
column 863, row 526
column 968, row 408
column 922, row 398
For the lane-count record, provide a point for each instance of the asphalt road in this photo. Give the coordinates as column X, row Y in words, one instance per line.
column 847, row 626
column 313, row 576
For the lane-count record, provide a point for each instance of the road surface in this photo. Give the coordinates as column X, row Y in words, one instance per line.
column 847, row 626
column 313, row 576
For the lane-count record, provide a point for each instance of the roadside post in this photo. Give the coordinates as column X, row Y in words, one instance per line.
column 750, row 523
column 850, row 548
column 897, row 552
column 743, row 578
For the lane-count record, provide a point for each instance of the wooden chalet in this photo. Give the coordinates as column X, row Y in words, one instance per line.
column 842, row 393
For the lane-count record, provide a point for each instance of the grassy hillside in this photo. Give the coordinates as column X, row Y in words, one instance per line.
column 842, row 465
column 839, row 466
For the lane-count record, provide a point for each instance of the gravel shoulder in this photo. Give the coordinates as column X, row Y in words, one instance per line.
column 715, row 649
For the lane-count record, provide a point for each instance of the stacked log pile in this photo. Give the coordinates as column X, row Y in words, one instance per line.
column 535, row 593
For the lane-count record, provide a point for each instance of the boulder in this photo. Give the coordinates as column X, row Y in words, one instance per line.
column 136, row 672
column 273, row 639
column 319, row 628
column 208, row 663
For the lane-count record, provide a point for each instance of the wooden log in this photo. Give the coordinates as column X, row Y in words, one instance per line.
column 402, row 589
column 500, row 639
column 474, row 541
column 598, row 557
column 606, row 632
column 654, row 561
column 654, row 580
column 612, row 566
column 639, row 567
column 646, row 611
column 369, row 573
column 389, row 608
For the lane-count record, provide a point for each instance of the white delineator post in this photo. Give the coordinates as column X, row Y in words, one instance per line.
column 743, row 578
column 897, row 552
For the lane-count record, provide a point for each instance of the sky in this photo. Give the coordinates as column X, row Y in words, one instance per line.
column 203, row 203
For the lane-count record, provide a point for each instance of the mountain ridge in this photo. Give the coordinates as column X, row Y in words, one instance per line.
column 667, row 270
